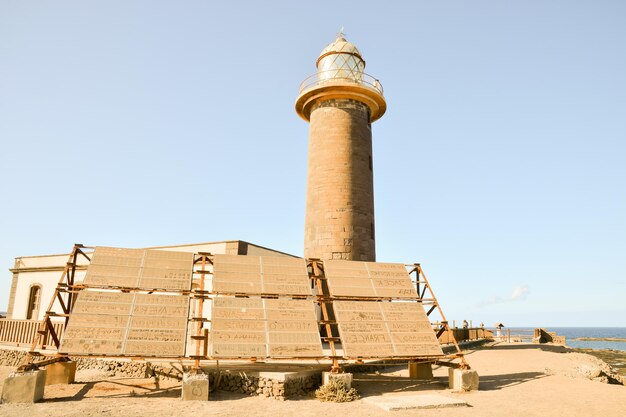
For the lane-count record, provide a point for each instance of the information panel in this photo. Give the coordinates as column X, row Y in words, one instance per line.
column 253, row 327
column 368, row 279
column 385, row 329
column 239, row 274
column 114, row 323
column 140, row 268
column 114, row 267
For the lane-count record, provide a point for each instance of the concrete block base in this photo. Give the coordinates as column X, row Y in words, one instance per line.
column 346, row 378
column 462, row 379
column 61, row 373
column 27, row 387
column 420, row 370
column 195, row 387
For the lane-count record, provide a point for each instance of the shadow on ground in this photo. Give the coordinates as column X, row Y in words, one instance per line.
column 527, row 346
column 113, row 388
column 374, row 384
column 497, row 382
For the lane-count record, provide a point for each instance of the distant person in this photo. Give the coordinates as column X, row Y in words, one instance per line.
column 465, row 324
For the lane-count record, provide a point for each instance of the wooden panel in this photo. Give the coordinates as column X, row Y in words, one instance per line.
column 260, row 275
column 385, row 329
column 112, row 275
column 103, row 255
column 139, row 268
column 158, row 326
column 87, row 345
column 274, row 328
column 117, row 323
column 368, row 279
column 165, row 269
column 98, row 323
column 238, row 328
column 391, row 280
column 292, row 329
column 418, row 340
column 114, row 267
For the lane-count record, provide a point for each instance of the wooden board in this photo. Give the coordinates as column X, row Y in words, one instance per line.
column 257, row 328
column 260, row 275
column 113, row 323
column 368, row 279
column 139, row 268
column 292, row 329
column 385, row 329
column 114, row 267
column 166, row 269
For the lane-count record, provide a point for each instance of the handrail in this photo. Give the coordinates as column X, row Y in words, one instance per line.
column 22, row 332
column 324, row 77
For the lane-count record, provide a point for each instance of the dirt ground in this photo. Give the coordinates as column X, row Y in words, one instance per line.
column 515, row 380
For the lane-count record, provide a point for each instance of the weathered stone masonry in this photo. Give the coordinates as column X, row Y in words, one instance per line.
column 340, row 199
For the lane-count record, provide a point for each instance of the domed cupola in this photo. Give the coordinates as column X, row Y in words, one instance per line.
column 340, row 60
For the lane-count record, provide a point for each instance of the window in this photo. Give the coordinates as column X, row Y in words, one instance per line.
column 34, row 299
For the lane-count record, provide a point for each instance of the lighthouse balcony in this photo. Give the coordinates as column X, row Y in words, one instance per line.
column 341, row 84
column 338, row 77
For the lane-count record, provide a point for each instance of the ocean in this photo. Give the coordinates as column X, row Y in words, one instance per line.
column 572, row 333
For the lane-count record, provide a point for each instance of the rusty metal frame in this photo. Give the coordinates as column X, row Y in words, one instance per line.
column 65, row 287
column 326, row 304
column 202, row 261
column 198, row 296
column 421, row 283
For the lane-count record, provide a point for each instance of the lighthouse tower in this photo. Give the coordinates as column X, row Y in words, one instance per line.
column 340, row 101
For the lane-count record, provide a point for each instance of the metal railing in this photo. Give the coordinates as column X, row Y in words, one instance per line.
column 23, row 332
column 517, row 335
column 337, row 75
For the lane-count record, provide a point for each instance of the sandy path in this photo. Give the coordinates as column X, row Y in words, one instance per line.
column 516, row 380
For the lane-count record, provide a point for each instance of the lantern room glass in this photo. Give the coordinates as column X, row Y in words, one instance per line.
column 342, row 66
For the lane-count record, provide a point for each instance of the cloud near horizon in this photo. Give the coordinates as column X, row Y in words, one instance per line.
column 519, row 293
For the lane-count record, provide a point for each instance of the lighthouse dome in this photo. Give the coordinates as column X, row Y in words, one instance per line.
column 340, row 60
column 339, row 46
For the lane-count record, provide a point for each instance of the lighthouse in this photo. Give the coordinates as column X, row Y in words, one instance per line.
column 340, row 102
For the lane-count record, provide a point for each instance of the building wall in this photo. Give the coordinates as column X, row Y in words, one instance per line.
column 42, row 270
column 12, row 294
column 48, row 281
column 246, row 248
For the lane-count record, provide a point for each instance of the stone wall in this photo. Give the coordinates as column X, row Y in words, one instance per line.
column 253, row 384
column 544, row 336
column 11, row 357
column 128, row 369
column 243, row 383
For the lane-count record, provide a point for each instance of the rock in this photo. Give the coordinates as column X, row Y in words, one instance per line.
column 589, row 371
column 603, row 379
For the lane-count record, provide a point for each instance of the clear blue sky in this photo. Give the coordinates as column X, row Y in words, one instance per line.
column 500, row 164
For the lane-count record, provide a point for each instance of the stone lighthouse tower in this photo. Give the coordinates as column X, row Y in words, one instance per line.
column 340, row 101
